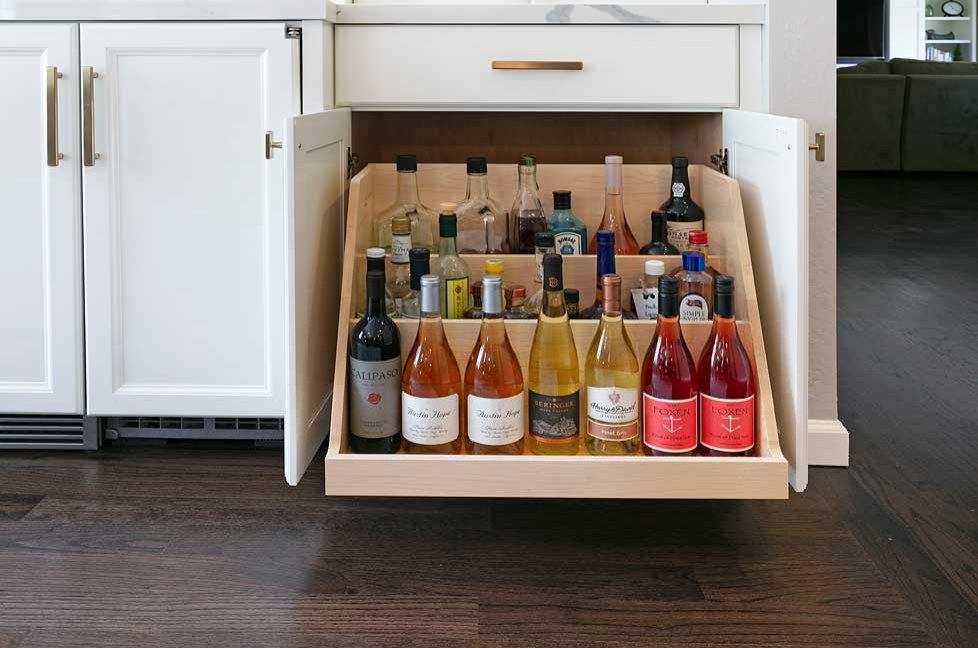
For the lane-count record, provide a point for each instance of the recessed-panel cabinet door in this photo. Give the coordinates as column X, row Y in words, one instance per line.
column 769, row 159
column 316, row 169
column 41, row 339
column 185, row 216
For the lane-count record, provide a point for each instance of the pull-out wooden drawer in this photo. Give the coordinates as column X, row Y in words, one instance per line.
column 635, row 67
column 764, row 475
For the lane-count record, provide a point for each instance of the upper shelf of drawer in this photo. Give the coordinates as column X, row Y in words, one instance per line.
column 671, row 67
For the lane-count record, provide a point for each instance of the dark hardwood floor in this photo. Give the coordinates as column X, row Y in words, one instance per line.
column 205, row 545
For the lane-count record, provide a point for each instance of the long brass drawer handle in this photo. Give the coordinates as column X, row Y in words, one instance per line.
column 51, row 113
column 88, row 116
column 537, row 65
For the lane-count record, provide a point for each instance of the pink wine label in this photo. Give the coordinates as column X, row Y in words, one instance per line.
column 727, row 423
column 670, row 425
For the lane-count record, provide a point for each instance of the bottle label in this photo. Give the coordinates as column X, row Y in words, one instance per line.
column 555, row 417
column 727, row 424
column 455, row 300
column 670, row 425
column 568, row 243
column 401, row 249
column 678, row 232
column 495, row 421
column 429, row 421
column 693, row 308
column 678, row 190
column 646, row 302
column 612, row 413
column 375, row 398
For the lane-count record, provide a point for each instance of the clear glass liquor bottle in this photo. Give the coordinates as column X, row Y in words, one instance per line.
column 526, row 217
column 645, row 298
column 611, row 373
column 543, row 244
column 408, row 202
column 420, row 266
column 695, row 289
column 482, row 227
column 614, row 210
column 431, row 385
column 400, row 281
column 493, row 383
column 517, row 304
column 570, row 234
column 454, row 271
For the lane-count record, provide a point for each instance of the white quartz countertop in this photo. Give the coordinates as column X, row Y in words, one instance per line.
column 371, row 12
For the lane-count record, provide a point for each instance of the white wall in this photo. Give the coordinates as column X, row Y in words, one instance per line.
column 802, row 42
column 904, row 28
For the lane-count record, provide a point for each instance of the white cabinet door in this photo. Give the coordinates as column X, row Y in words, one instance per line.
column 316, row 149
column 769, row 159
column 185, row 217
column 41, row 335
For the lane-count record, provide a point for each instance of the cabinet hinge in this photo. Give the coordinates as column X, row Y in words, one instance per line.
column 293, row 32
column 352, row 159
column 721, row 161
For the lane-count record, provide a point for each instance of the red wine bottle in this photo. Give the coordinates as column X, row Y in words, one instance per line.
column 726, row 381
column 375, row 376
column 669, row 383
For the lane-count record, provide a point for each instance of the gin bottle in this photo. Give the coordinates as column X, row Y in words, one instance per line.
column 570, row 234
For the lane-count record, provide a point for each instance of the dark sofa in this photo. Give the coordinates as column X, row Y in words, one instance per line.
column 908, row 115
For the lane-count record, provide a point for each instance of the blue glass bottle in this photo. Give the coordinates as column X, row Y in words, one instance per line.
column 605, row 240
column 570, row 234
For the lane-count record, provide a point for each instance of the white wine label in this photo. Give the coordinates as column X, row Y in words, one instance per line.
column 568, row 243
column 495, row 421
column 375, row 398
column 693, row 308
column 401, row 249
column 555, row 417
column 429, row 421
column 678, row 232
column 612, row 413
column 646, row 302
column 678, row 190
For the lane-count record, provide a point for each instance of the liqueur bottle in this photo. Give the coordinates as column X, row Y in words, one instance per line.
column 517, row 304
column 526, row 217
column 431, row 385
column 493, row 383
column 453, row 269
column 614, row 211
column 377, row 260
column 695, row 289
column 375, row 376
column 407, row 202
column 554, row 379
column 400, row 281
column 420, row 266
column 611, row 374
column 543, row 245
column 645, row 298
column 682, row 214
column 669, row 383
column 482, row 227
column 726, row 382
column 605, row 265
column 659, row 245
column 572, row 297
column 570, row 234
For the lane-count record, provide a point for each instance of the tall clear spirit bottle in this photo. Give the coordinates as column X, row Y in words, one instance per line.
column 408, row 202
column 482, row 226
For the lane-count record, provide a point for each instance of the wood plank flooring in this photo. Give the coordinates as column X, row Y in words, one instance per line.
column 199, row 544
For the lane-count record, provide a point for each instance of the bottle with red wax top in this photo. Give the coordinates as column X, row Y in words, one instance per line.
column 726, row 382
column 669, row 383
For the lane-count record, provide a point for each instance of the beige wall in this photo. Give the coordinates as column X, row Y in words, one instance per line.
column 802, row 42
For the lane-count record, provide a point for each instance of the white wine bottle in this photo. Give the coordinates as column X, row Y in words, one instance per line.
column 611, row 373
column 555, row 378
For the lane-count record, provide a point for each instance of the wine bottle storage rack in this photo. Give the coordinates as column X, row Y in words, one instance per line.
column 763, row 476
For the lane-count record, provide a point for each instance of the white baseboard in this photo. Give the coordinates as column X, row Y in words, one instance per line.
column 828, row 443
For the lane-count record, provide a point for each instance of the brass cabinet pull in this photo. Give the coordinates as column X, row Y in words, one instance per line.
column 818, row 147
column 270, row 144
column 88, row 116
column 51, row 78
column 537, row 65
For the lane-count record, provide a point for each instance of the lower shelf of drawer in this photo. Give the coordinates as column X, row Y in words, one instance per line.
column 764, row 477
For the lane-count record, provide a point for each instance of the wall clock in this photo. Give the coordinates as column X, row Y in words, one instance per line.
column 952, row 8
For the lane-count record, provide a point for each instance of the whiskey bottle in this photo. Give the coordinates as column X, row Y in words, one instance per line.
column 526, row 217
column 407, row 201
column 482, row 227
column 682, row 214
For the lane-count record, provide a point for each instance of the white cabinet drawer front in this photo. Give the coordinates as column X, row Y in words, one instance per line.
column 622, row 66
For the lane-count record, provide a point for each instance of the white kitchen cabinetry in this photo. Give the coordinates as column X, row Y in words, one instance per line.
column 184, row 216
column 41, row 348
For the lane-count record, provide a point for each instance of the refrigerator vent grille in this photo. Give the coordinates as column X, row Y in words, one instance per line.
column 195, row 427
column 38, row 431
